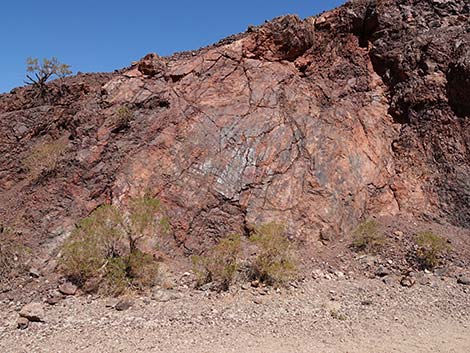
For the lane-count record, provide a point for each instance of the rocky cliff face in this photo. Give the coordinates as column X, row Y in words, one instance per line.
column 317, row 124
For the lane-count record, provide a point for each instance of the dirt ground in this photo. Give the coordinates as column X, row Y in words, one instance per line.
column 340, row 314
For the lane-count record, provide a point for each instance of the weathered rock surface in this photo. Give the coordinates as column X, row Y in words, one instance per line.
column 68, row 288
column 32, row 312
column 315, row 123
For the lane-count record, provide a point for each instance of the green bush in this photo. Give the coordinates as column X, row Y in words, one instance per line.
column 142, row 270
column 368, row 237
column 430, row 248
column 219, row 265
column 275, row 262
column 104, row 245
column 96, row 239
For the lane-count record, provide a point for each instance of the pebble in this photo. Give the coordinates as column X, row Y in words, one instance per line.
column 68, row 288
column 34, row 272
column 123, row 304
column 407, row 281
column 22, row 323
column 382, row 271
column 464, row 280
column 53, row 300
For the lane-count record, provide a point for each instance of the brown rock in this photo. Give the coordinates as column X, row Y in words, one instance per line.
column 151, row 65
column 123, row 304
column 54, row 299
column 32, row 312
column 22, row 323
column 34, row 272
column 68, row 288
column 464, row 280
column 407, row 281
column 313, row 123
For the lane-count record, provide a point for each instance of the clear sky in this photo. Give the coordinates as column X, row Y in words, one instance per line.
column 103, row 35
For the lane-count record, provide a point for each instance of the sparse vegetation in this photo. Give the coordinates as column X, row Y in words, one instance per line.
column 335, row 314
column 368, row 237
column 275, row 263
column 12, row 255
column 45, row 157
column 122, row 118
column 431, row 248
column 219, row 265
column 40, row 72
column 105, row 246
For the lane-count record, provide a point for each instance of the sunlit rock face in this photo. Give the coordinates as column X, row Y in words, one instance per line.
column 313, row 123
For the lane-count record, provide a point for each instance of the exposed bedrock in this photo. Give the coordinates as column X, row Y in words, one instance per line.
column 314, row 123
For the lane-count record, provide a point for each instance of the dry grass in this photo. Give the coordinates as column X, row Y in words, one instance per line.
column 121, row 119
column 45, row 157
column 13, row 255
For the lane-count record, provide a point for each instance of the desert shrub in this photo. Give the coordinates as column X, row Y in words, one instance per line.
column 40, row 72
column 430, row 248
column 96, row 240
column 275, row 262
column 104, row 245
column 45, row 157
column 368, row 237
column 219, row 265
column 13, row 255
column 121, row 118
column 141, row 219
column 142, row 270
column 114, row 280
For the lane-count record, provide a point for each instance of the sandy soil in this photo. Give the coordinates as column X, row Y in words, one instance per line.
column 337, row 315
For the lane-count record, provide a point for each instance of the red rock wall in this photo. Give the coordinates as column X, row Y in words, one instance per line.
column 315, row 123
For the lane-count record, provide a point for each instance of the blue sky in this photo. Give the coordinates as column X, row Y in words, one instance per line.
column 103, row 35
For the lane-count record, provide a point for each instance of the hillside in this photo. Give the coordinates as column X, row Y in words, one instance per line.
column 358, row 118
column 317, row 123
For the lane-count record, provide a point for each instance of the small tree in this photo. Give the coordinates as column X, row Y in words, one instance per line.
column 40, row 72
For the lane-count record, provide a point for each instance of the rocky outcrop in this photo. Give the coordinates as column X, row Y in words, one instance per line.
column 420, row 49
column 314, row 123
